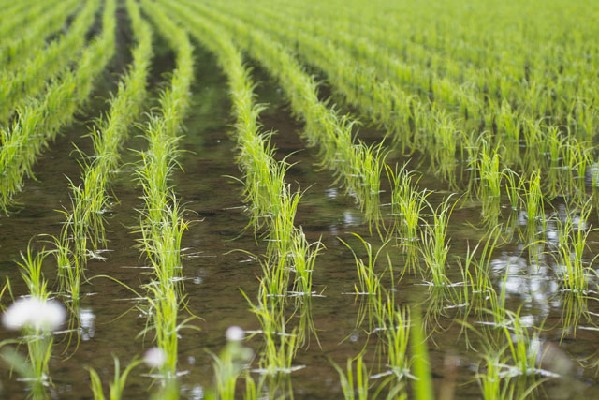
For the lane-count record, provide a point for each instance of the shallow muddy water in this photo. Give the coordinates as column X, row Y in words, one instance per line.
column 216, row 271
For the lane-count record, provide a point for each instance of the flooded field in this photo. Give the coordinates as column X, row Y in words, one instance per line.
column 226, row 200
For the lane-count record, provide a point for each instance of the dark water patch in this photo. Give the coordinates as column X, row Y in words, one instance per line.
column 164, row 61
column 124, row 41
column 96, row 28
column 215, row 271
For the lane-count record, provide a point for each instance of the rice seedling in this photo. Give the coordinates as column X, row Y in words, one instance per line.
column 280, row 345
column 164, row 303
column 534, row 206
column 522, row 346
column 476, row 270
column 154, row 358
column 395, row 326
column 489, row 189
column 444, row 146
column 494, row 383
column 407, row 205
column 282, row 225
column 355, row 384
column 31, row 272
column 434, row 245
column 573, row 237
column 369, row 282
column 303, row 255
column 369, row 166
column 70, row 270
column 37, row 316
column 513, row 187
column 576, row 157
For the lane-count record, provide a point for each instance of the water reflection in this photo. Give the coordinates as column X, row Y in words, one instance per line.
column 197, row 280
column 193, row 393
column 575, row 310
column 87, row 323
column 332, row 193
column 529, row 283
column 350, row 219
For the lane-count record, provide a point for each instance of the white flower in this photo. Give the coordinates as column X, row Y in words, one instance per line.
column 234, row 334
column 155, row 357
column 34, row 313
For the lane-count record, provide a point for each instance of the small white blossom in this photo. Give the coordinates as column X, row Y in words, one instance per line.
column 234, row 334
column 155, row 357
column 34, row 313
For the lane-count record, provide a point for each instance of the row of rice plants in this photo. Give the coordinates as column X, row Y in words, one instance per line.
column 14, row 52
column 38, row 122
column 161, row 220
column 31, row 79
column 83, row 231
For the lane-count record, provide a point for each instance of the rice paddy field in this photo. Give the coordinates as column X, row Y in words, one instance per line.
column 299, row 200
